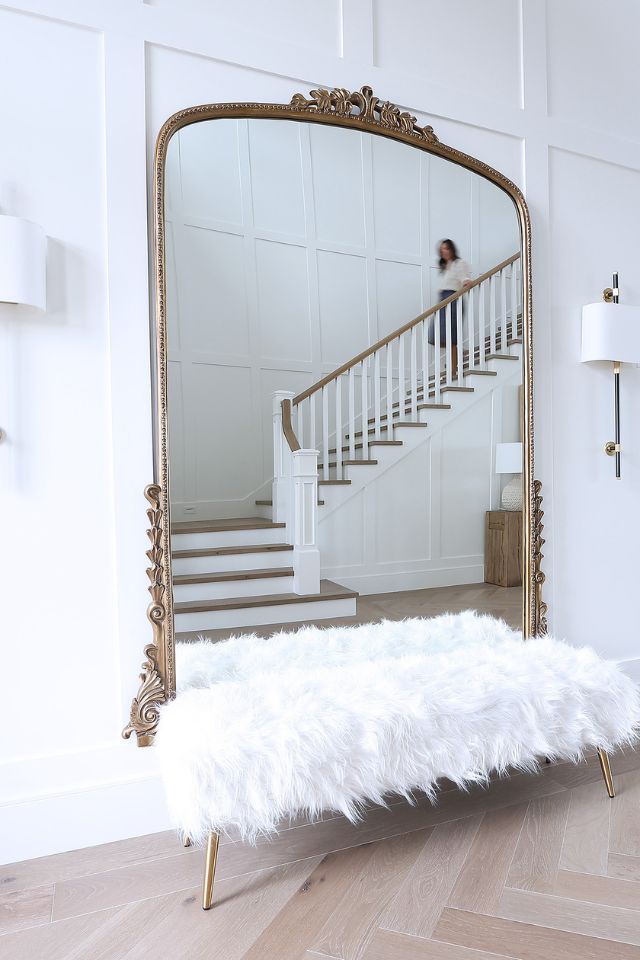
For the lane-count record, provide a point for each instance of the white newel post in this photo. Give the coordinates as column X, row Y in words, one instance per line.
column 306, row 555
column 282, row 464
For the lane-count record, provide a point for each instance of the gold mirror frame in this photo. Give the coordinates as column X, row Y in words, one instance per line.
column 360, row 110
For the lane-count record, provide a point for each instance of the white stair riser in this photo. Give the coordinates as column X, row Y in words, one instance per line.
column 184, row 592
column 227, row 538
column 232, row 561
column 261, row 616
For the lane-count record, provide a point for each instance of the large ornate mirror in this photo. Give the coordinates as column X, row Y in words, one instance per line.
column 344, row 381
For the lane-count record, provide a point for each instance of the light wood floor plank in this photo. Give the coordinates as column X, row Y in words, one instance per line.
column 525, row 941
column 90, row 937
column 484, row 872
column 586, row 839
column 623, row 867
column 573, row 916
column 419, row 901
column 348, row 930
column 572, row 775
column 79, row 863
column 25, row 908
column 535, row 861
column 625, row 816
column 594, row 889
column 300, row 921
column 243, row 908
column 387, row 945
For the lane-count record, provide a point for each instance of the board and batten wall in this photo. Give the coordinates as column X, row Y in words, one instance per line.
column 530, row 88
column 421, row 522
column 291, row 248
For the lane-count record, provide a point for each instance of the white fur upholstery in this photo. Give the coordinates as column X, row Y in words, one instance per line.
column 326, row 719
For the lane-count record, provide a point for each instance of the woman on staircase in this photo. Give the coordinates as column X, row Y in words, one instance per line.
column 455, row 275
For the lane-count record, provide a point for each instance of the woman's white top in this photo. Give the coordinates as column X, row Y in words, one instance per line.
column 454, row 275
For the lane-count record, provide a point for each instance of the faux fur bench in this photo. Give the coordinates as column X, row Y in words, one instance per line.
column 329, row 719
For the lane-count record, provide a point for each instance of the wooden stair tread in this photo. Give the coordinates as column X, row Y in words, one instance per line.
column 501, row 356
column 221, row 526
column 229, row 551
column 328, row 591
column 371, row 443
column 454, row 389
column 334, row 483
column 262, row 573
column 409, row 423
column 350, row 463
column 269, row 503
column 479, row 373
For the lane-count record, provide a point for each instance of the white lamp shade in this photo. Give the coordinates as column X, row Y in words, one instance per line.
column 23, row 255
column 508, row 458
column 611, row 331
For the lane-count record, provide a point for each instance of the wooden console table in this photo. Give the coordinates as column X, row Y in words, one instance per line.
column 503, row 548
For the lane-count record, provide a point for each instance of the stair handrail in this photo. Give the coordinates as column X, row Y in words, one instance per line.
column 398, row 333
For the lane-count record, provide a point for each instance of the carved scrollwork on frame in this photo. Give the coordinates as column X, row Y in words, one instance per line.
column 145, row 706
column 341, row 103
column 538, row 556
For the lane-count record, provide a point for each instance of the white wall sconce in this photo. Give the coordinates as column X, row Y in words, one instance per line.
column 509, row 460
column 23, row 254
column 611, row 331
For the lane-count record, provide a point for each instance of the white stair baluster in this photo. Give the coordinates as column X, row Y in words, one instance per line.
column 459, row 313
column 471, row 325
column 300, row 424
column 365, row 410
column 482, row 328
column 325, row 432
column 425, row 360
column 492, row 315
column 376, row 393
column 414, row 373
column 338, row 383
column 352, row 413
column 447, row 341
column 312, row 421
column 402, row 387
column 389, row 359
column 514, row 301
column 503, row 311
column 437, row 357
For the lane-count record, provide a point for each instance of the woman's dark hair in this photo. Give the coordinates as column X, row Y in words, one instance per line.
column 452, row 247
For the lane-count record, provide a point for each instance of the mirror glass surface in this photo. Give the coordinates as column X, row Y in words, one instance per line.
column 291, row 249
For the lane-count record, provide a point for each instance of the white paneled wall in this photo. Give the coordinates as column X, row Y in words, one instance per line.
column 292, row 247
column 541, row 90
column 420, row 523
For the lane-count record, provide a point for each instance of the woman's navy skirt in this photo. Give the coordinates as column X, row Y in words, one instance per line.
column 443, row 321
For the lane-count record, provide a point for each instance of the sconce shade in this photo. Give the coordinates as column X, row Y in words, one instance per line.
column 508, row 458
column 23, row 254
column 611, row 331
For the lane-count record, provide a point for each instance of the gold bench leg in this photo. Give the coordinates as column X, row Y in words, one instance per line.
column 606, row 772
column 209, row 870
column 186, row 841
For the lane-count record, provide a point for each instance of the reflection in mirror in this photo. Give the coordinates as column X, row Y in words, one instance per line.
column 304, row 265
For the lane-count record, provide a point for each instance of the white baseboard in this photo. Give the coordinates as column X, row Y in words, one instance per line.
column 84, row 818
column 367, row 584
column 65, row 801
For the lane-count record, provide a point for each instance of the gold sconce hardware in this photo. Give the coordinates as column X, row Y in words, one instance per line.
column 610, row 294
column 611, row 448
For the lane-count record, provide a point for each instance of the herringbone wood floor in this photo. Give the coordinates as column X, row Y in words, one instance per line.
column 541, row 867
